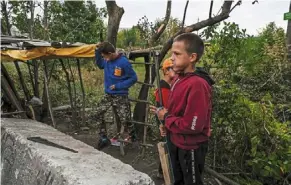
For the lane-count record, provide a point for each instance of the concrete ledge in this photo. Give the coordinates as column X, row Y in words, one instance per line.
column 25, row 162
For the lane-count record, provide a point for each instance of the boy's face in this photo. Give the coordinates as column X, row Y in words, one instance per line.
column 107, row 57
column 181, row 58
column 170, row 73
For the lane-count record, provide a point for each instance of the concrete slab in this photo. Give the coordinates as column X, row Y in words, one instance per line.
column 25, row 162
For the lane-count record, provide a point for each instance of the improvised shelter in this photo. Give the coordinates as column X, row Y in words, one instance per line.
column 21, row 49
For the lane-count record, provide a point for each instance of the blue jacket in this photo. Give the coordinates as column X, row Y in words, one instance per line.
column 117, row 72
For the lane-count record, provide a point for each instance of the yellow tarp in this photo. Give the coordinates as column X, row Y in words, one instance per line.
column 85, row 51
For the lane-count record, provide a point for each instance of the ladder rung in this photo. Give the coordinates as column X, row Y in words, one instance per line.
column 140, row 101
column 142, row 123
column 146, row 63
column 142, row 144
column 151, row 85
column 11, row 113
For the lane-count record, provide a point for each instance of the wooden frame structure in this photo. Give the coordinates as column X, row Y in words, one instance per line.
column 141, row 110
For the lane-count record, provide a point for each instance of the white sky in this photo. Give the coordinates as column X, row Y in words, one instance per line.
column 248, row 16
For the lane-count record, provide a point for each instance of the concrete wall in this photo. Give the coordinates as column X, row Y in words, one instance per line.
column 25, row 162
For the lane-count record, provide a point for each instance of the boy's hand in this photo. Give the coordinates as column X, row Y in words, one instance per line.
column 112, row 87
column 153, row 109
column 160, row 112
column 98, row 44
column 163, row 130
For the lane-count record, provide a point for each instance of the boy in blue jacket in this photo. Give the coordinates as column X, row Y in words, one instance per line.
column 118, row 78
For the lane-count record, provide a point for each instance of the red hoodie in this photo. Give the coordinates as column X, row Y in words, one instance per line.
column 189, row 112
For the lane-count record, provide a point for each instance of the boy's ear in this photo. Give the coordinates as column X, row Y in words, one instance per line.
column 193, row 57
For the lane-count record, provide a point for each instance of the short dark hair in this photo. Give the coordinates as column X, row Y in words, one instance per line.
column 106, row 48
column 193, row 43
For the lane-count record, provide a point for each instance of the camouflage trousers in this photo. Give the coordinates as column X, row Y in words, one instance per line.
column 121, row 105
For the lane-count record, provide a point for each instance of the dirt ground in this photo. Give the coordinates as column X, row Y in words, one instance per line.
column 147, row 164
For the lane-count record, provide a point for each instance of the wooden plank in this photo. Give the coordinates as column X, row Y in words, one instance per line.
column 164, row 162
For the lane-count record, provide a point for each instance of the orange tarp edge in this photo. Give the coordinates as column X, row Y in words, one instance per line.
column 85, row 51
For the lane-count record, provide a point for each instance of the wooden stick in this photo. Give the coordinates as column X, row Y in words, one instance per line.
column 220, row 176
column 10, row 94
column 11, row 113
column 22, row 83
column 83, row 91
column 9, row 80
column 47, row 93
column 35, row 70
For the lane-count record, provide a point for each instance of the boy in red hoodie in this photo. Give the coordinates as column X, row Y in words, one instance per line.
column 188, row 116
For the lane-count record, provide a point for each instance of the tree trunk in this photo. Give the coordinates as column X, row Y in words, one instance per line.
column 45, row 19
column 289, row 36
column 114, row 16
column 6, row 17
column 31, row 22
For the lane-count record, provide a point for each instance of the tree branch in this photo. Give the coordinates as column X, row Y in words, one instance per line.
column 194, row 27
column 237, row 4
column 162, row 28
column 184, row 16
column 210, row 9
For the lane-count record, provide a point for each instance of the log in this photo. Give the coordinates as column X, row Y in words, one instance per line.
column 220, row 176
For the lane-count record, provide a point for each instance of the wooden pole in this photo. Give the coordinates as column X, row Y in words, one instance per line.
column 35, row 70
column 10, row 94
column 22, row 83
column 10, row 82
column 47, row 93
column 83, row 92
column 69, row 88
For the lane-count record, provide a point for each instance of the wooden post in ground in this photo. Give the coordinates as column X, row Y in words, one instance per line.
column 10, row 94
column 10, row 82
column 47, row 93
column 83, row 92
column 22, row 83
